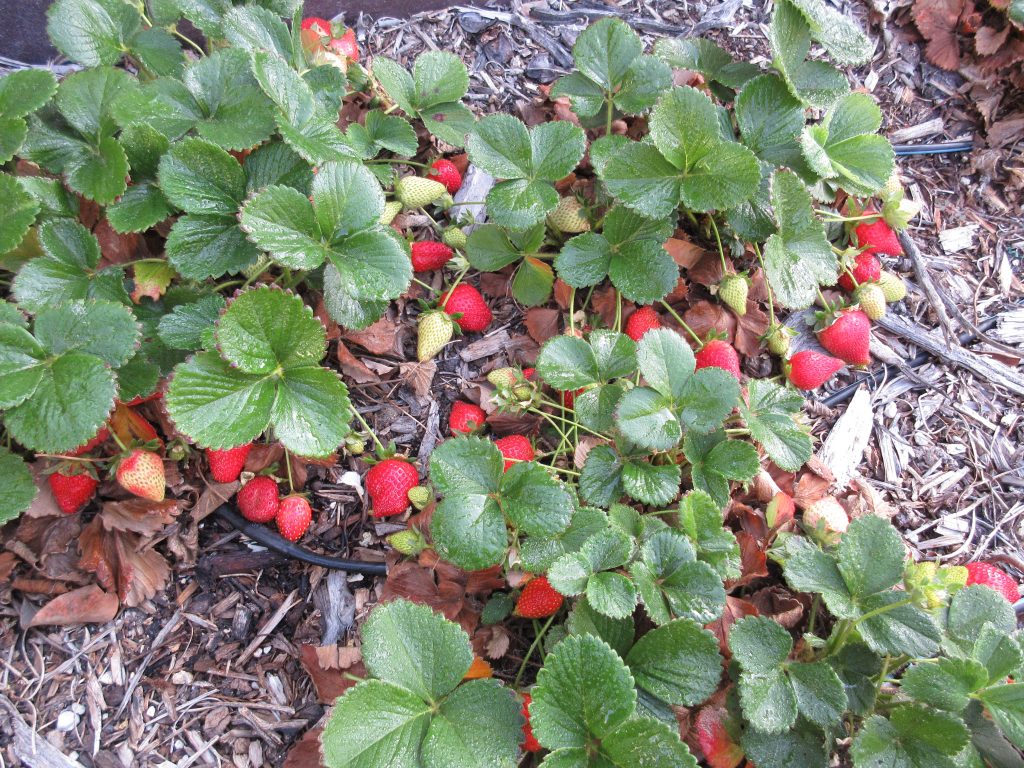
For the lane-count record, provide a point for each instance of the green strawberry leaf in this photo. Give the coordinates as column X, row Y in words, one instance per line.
column 139, row 376
column 759, row 644
column 595, row 408
column 584, row 691
column 102, row 328
column 770, row 412
column 974, row 607
column 655, row 484
column 13, row 131
column 844, row 41
column 601, row 477
column 55, row 201
column 799, row 256
column 569, row 362
column 67, row 270
column 804, row 745
column 815, row 83
column 1000, row 654
column 1005, row 703
column 202, row 246
column 50, row 420
column 466, row 465
column 396, row 82
column 644, row 742
column 534, row 502
column 647, row 419
column 611, row 594
column 201, row 178
column 674, row 584
column 19, row 489
column 646, row 79
column 157, row 52
column 417, row 712
column 92, row 33
column 140, row 207
column 699, row 54
column 666, row 362
column 185, row 325
column 893, row 628
column 24, row 91
column 382, row 132
column 584, row 620
column 19, row 212
column 529, row 161
column 820, row 695
column 871, row 556
column 22, row 364
column 254, row 29
column 700, row 519
column 469, row 531
column 913, row 736
column 538, row 553
column 946, row 684
column 678, row 663
column 439, row 77
column 845, row 147
column 715, row 460
column 761, row 648
column 989, row 741
column 771, row 121
column 857, row 666
column 265, row 330
column 808, row 569
column 274, row 163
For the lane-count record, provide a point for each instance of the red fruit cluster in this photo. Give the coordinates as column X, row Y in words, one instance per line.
column 466, row 301
column 447, row 173
column 343, row 46
column 719, row 354
column 538, row 599
column 428, row 255
column 466, row 418
column 989, row 575
column 641, row 321
column 388, row 483
column 515, row 448
column 293, row 517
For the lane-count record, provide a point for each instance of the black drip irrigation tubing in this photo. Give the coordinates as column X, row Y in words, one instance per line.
column 941, row 148
column 263, row 535
column 891, row 371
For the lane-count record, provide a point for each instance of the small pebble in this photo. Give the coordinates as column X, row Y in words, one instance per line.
column 66, row 721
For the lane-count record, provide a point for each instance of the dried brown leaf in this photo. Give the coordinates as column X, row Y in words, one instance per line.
column 353, row 367
column 418, row 377
column 85, row 605
column 778, row 603
column 542, row 323
column 139, row 515
column 381, row 338
column 937, row 21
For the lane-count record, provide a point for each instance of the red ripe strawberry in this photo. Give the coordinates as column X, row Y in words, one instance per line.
column 466, row 300
column 346, row 45
column 72, row 491
column 538, row 599
column 429, row 254
column 641, row 321
column 226, row 465
column 719, row 354
column 866, row 269
column 445, row 171
column 530, row 743
column 529, row 373
column 719, row 748
column 466, row 418
column 878, row 237
column 568, row 397
column 101, row 437
column 515, row 448
column 293, row 517
column 388, row 483
column 848, row 337
column 809, row 369
column 259, row 499
column 142, row 473
column 321, row 26
column 989, row 575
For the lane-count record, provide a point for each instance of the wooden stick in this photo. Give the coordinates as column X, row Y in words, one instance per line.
column 31, row 748
column 924, row 277
column 268, row 627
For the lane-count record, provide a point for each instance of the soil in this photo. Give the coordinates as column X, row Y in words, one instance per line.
column 234, row 660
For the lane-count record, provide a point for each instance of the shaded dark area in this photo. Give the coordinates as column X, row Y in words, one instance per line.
column 24, row 31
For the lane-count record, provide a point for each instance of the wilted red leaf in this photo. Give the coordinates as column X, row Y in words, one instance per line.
column 513, row 423
column 778, row 603
column 562, row 291
column 749, row 330
column 708, row 271
column 306, row 751
column 753, row 560
column 333, row 331
column 496, row 284
column 937, row 21
column 85, row 605
column 717, row 737
column 735, row 609
column 679, row 293
column 478, row 670
column 381, row 338
column 39, row 586
column 263, row 455
column 542, row 323
column 117, row 248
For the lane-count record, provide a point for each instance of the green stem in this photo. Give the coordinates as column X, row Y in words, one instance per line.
column 882, row 609
column 814, row 614
column 288, row 467
column 611, row 113
column 531, row 649
column 361, row 420
column 193, row 43
column 718, row 240
column 682, row 322
column 618, row 310
column 767, row 285
column 839, row 217
column 425, row 285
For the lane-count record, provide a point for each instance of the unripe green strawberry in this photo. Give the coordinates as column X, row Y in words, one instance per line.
column 416, row 192
column 871, row 299
column 355, row 445
column 408, row 542
column 454, row 237
column 391, row 209
column 436, row 329
column 777, row 338
column 256, row 268
column 444, row 202
column 569, row 216
column 733, row 290
column 503, row 377
column 892, row 285
column 420, row 496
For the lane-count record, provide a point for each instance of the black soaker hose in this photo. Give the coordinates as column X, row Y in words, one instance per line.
column 269, row 539
column 892, row 371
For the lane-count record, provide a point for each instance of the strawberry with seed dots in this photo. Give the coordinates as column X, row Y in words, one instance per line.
column 346, row 45
column 808, row 369
column 644, row 319
column 428, row 255
column 388, row 484
column 847, row 336
column 141, row 473
column 259, row 499
column 466, row 302
column 995, row 578
column 72, row 489
column 538, row 599
column 866, row 269
column 515, row 448
column 466, row 418
column 321, row 26
column 878, row 237
column 293, row 517
column 530, row 743
column 447, row 173
column 719, row 354
column 226, row 464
